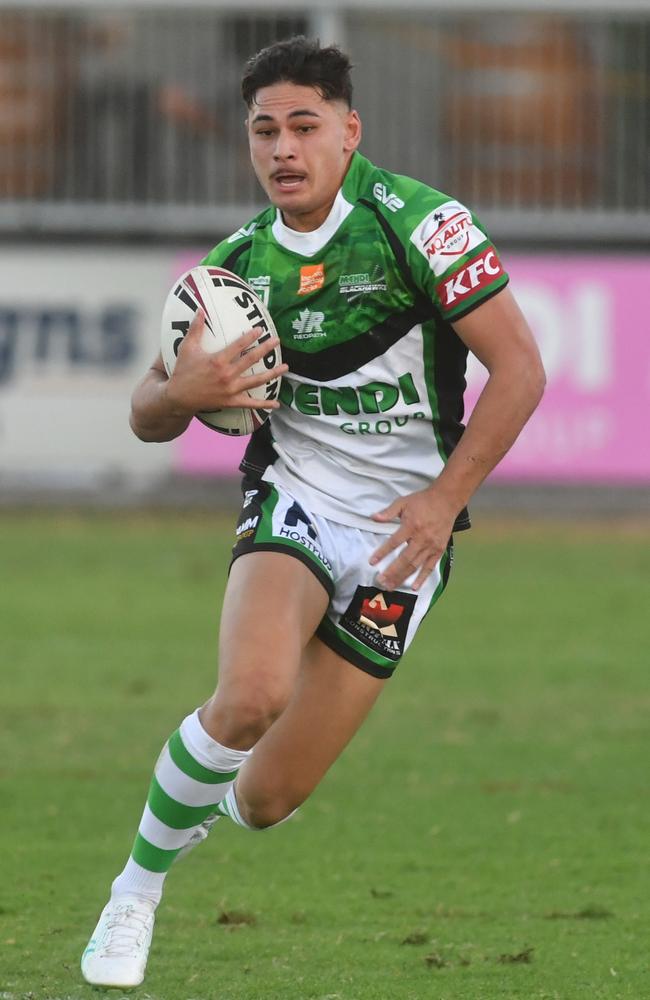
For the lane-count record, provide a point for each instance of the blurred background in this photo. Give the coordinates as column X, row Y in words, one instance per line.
column 495, row 807
column 123, row 159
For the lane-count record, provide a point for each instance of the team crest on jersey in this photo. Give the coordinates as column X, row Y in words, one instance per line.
column 379, row 619
column 262, row 285
column 446, row 234
column 312, row 278
column 308, row 325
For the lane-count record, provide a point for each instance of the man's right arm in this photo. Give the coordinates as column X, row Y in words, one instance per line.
column 162, row 407
column 153, row 417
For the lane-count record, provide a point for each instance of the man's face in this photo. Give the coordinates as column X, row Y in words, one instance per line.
column 301, row 146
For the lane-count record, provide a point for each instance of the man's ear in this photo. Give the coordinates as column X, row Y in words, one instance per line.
column 352, row 132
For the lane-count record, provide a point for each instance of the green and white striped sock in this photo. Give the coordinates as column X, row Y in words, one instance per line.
column 191, row 777
column 229, row 807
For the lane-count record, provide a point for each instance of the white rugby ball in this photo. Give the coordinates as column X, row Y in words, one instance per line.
column 231, row 308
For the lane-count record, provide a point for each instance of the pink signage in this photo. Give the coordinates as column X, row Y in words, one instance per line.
column 591, row 317
column 201, row 451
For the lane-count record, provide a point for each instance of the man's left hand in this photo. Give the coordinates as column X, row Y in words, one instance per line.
column 426, row 523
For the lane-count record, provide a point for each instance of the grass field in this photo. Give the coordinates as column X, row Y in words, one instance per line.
column 485, row 836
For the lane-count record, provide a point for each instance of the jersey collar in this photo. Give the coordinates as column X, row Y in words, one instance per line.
column 308, row 244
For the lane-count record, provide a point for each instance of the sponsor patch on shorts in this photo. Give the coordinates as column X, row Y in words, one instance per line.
column 379, row 619
column 249, row 517
column 272, row 521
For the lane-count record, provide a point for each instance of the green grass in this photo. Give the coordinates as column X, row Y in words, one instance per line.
column 484, row 837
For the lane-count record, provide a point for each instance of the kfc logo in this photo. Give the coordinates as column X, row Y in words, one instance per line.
column 477, row 274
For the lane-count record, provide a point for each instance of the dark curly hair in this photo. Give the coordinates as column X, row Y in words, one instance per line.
column 301, row 61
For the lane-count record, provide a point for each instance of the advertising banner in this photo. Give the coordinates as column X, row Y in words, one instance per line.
column 590, row 315
column 591, row 318
column 80, row 325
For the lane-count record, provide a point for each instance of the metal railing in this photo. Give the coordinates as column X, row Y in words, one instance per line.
column 127, row 118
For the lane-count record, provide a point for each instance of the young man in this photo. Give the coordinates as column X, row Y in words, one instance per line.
column 378, row 286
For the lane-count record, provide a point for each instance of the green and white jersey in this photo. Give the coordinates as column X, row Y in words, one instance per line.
column 372, row 405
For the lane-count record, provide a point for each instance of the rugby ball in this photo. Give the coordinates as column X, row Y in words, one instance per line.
column 231, row 307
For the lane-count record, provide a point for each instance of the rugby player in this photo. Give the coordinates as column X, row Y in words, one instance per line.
column 378, row 286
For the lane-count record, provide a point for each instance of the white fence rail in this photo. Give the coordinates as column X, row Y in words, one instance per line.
column 127, row 117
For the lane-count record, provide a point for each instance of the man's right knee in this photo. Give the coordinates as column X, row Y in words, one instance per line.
column 238, row 719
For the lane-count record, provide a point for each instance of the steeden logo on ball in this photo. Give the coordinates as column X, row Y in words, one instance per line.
column 231, row 308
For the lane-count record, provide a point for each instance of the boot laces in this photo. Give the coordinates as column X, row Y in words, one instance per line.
column 125, row 931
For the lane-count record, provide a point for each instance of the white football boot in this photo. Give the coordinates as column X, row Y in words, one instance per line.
column 117, row 952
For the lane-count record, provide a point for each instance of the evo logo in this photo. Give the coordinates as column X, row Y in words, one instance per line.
column 391, row 201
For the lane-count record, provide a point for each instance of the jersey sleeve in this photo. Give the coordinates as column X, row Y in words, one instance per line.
column 213, row 257
column 224, row 252
column 453, row 260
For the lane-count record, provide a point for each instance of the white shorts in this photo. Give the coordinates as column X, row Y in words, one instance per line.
column 370, row 627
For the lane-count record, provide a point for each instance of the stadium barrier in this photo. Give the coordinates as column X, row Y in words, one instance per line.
column 126, row 118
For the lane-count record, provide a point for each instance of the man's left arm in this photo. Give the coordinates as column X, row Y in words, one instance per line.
column 498, row 334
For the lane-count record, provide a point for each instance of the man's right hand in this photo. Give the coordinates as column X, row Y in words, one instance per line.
column 162, row 407
column 203, row 381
